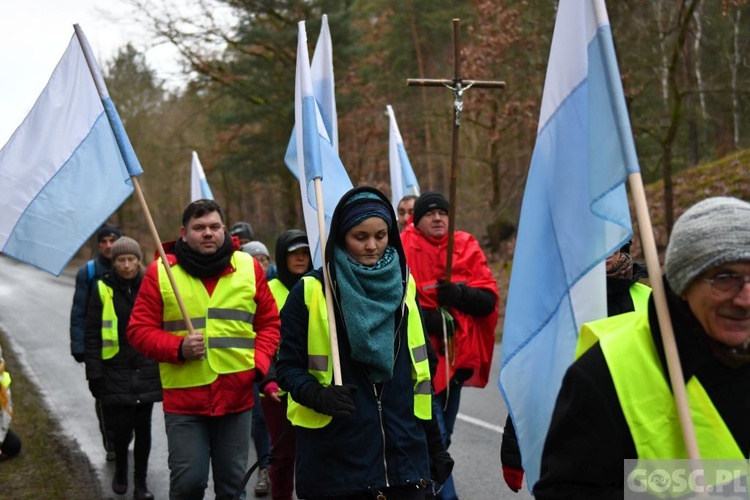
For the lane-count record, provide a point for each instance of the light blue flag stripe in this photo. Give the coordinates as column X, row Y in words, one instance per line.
column 206, row 190
column 123, row 142
column 72, row 205
column 311, row 141
column 409, row 179
column 574, row 215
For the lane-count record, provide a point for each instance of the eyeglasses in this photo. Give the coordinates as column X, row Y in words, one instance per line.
column 729, row 284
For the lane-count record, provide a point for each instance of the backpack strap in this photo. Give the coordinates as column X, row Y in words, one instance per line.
column 91, row 268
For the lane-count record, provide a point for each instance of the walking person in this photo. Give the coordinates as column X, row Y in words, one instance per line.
column 259, row 430
column 10, row 443
column 86, row 278
column 208, row 375
column 126, row 382
column 616, row 402
column 460, row 316
column 292, row 262
column 366, row 438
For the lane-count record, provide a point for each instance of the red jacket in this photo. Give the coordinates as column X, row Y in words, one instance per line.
column 229, row 393
column 475, row 336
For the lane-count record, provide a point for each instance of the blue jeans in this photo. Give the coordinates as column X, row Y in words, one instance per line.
column 195, row 441
column 446, row 415
column 259, row 431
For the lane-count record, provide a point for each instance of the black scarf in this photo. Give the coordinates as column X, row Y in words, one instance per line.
column 204, row 266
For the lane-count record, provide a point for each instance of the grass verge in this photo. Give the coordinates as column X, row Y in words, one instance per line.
column 50, row 464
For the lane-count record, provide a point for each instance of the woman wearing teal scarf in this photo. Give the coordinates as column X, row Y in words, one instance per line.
column 374, row 443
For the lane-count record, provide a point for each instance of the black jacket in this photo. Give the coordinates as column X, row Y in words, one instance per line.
column 129, row 378
column 382, row 443
column 589, row 437
column 78, row 311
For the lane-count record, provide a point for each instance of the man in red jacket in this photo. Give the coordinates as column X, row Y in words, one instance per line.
column 459, row 316
column 207, row 375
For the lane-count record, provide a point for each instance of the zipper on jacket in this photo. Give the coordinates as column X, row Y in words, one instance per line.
column 382, row 433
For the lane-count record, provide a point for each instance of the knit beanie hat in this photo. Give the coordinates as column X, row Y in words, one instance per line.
column 255, row 248
column 362, row 206
column 712, row 232
column 429, row 201
column 126, row 246
column 108, row 229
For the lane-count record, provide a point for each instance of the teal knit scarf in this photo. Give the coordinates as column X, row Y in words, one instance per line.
column 369, row 297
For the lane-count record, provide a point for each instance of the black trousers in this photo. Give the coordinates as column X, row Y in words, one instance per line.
column 126, row 421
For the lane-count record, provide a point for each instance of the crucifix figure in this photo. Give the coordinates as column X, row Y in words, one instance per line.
column 458, row 85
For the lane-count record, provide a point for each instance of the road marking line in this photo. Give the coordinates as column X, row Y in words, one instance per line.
column 480, row 423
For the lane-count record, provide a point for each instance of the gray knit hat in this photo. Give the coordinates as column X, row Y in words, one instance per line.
column 125, row 245
column 712, row 232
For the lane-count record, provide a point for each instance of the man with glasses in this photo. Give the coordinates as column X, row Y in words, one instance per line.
column 616, row 402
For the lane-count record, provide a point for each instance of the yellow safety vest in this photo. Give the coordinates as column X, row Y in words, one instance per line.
column 639, row 293
column 646, row 398
column 225, row 319
column 110, row 339
column 279, row 291
column 319, row 355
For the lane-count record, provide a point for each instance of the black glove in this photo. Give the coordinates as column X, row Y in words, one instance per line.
column 441, row 466
column 79, row 356
column 441, row 463
column 335, row 400
column 433, row 321
column 449, row 294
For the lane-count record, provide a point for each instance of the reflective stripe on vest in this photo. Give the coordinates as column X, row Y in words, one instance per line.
column 319, row 355
column 639, row 293
column 279, row 291
column 646, row 398
column 110, row 340
column 225, row 319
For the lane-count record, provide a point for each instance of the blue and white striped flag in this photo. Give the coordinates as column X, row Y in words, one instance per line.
column 66, row 168
column 403, row 180
column 316, row 155
column 199, row 188
column 574, row 214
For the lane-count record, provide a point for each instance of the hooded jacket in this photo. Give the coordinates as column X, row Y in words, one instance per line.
column 364, row 452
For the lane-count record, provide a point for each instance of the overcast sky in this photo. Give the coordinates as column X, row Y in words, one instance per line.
column 35, row 33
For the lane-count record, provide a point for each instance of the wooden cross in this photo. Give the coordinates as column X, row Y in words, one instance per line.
column 458, row 85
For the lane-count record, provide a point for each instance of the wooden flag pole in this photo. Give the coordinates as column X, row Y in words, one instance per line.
column 662, row 312
column 335, row 360
column 458, row 85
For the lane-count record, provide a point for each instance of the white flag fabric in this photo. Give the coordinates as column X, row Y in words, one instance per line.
column 574, row 215
column 403, row 180
column 315, row 155
column 199, row 188
column 66, row 168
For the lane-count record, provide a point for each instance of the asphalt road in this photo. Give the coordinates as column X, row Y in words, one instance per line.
column 35, row 312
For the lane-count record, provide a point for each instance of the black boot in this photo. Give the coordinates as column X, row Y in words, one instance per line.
column 141, row 491
column 120, row 483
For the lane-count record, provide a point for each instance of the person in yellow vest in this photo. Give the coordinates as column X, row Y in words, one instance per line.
column 292, row 262
column 126, row 382
column 373, row 435
column 10, row 443
column 207, row 375
column 615, row 402
column 625, row 293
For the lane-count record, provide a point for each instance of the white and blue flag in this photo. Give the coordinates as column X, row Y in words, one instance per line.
column 199, row 188
column 66, row 168
column 403, row 180
column 574, row 214
column 315, row 153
